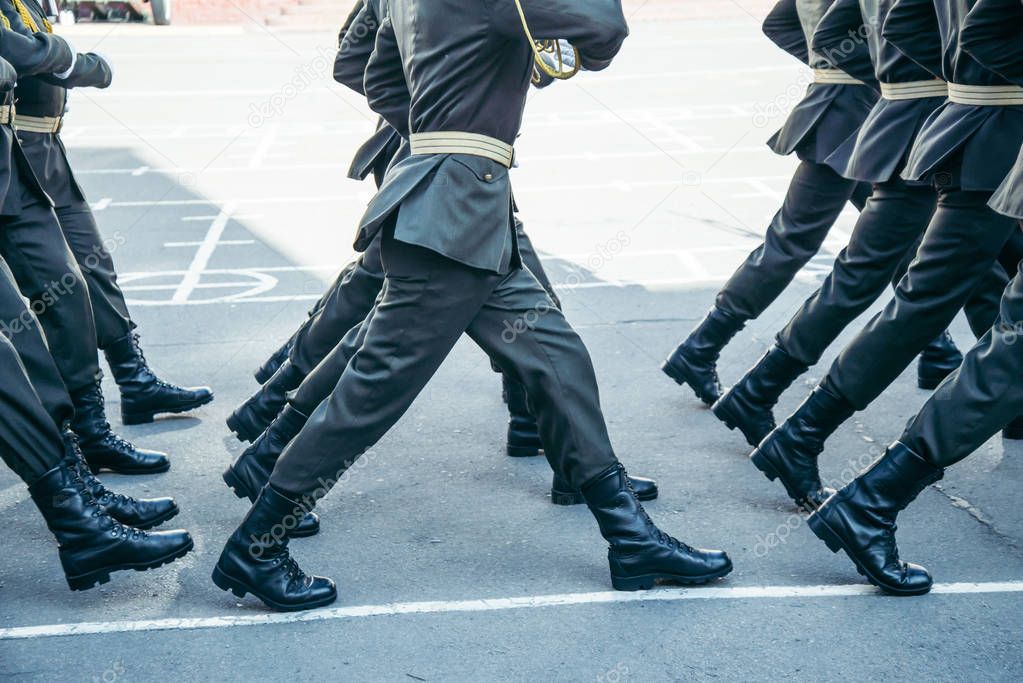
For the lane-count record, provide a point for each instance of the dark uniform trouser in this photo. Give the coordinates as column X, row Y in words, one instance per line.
column 351, row 298
column 428, row 301
column 30, row 409
column 983, row 395
column 959, row 248
column 815, row 198
column 113, row 321
column 47, row 274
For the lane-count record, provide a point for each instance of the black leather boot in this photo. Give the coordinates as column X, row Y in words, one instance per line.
column 563, row 494
column 748, row 405
column 271, row 364
column 694, row 362
column 143, row 394
column 790, row 452
column 104, row 450
column 92, row 543
column 860, row 519
column 523, row 432
column 255, row 415
column 256, row 559
column 640, row 554
column 251, row 471
column 143, row 514
column 937, row 361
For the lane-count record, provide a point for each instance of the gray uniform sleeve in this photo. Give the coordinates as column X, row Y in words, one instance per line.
column 993, row 35
column 36, row 53
column 783, row 28
column 386, row 89
column 912, row 27
column 355, row 45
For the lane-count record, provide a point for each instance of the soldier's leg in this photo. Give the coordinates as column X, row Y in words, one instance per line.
column 958, row 250
column 815, row 198
column 20, row 326
column 344, row 307
column 983, row 396
column 890, row 225
column 48, row 275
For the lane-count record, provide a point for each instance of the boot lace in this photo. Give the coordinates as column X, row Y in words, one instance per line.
column 99, row 491
column 662, row 538
column 136, row 343
column 289, row 566
column 96, row 511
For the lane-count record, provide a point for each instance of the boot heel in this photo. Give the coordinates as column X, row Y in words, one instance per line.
column 240, row 429
column 822, row 531
column 761, row 462
column 235, row 483
column 567, row 497
column 226, row 583
column 721, row 413
column 639, row 583
column 87, row 581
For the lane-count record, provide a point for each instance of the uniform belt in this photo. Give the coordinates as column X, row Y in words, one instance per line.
column 986, row 95
column 37, row 124
column 834, row 77
column 463, row 143
column 6, row 113
column 914, row 90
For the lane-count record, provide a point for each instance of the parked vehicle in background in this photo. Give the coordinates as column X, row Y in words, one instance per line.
column 117, row 10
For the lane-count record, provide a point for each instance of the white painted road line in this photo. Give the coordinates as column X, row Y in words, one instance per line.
column 490, row 605
column 203, row 254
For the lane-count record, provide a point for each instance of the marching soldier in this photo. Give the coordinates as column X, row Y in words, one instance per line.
column 966, row 149
column 41, row 104
column 317, row 358
column 973, row 404
column 32, row 244
column 98, row 532
column 886, row 235
column 452, row 266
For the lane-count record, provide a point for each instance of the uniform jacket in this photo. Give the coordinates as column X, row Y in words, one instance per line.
column 879, row 149
column 27, row 55
column 993, row 35
column 975, row 146
column 828, row 114
column 45, row 95
column 453, row 66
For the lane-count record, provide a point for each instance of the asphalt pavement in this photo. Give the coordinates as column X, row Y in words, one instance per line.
column 216, row 167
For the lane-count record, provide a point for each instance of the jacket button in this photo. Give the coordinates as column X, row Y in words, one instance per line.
column 488, row 177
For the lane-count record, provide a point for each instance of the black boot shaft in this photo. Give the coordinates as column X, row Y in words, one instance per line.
column 92, row 544
column 893, row 481
column 938, row 360
column 256, row 558
column 694, row 362
column 143, row 394
column 251, row 418
column 104, row 450
column 271, row 364
column 640, row 554
column 251, row 471
column 817, row 418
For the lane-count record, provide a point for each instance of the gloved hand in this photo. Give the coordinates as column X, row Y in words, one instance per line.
column 540, row 78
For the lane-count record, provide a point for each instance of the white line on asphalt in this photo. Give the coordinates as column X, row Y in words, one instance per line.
column 263, row 148
column 102, row 204
column 203, row 254
column 488, row 605
column 221, row 243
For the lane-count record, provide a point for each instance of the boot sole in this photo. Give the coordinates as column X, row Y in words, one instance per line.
column 240, row 589
column 648, row 581
column 761, row 462
column 835, row 543
column 96, row 469
column 682, row 380
column 84, row 582
column 166, row 517
column 576, row 497
column 724, row 413
column 150, row 416
column 241, row 431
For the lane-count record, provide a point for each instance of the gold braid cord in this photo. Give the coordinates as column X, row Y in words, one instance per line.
column 26, row 17
column 540, row 47
column 5, row 21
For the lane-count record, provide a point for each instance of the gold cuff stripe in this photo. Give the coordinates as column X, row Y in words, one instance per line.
column 6, row 113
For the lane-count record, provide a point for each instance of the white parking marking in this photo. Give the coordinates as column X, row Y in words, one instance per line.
column 203, row 254
column 491, row 605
